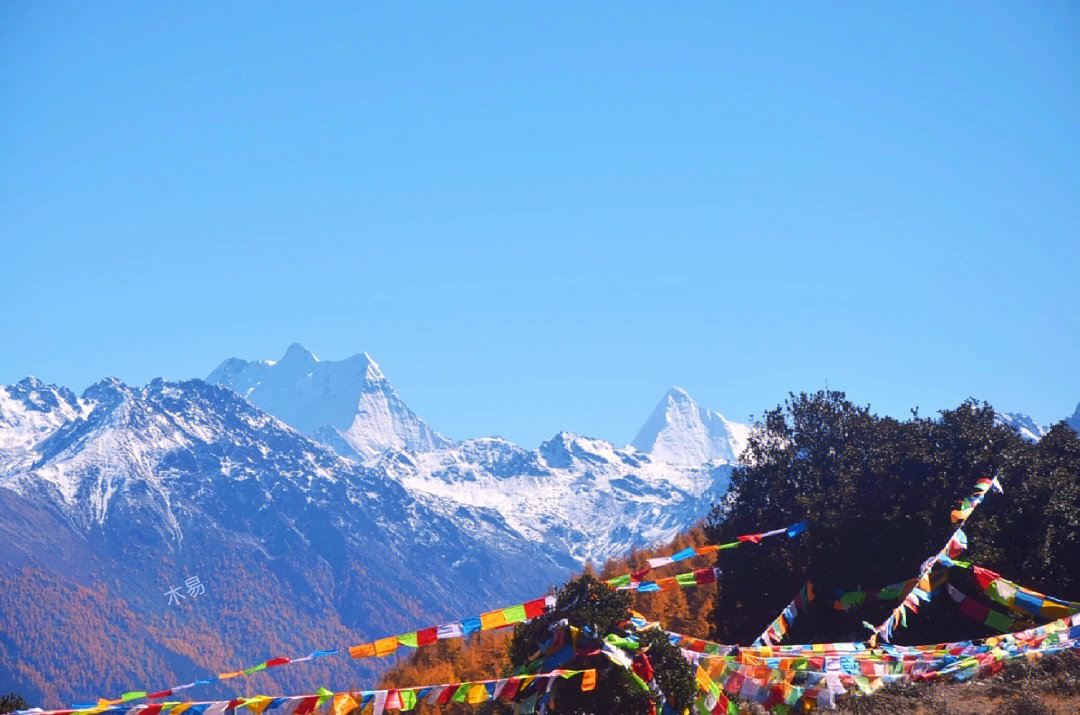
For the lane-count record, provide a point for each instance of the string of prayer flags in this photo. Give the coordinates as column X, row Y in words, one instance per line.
column 700, row 577
column 976, row 611
column 688, row 553
column 846, row 600
column 790, row 531
column 787, row 679
column 160, row 694
column 380, row 648
column 1021, row 599
column 492, row 620
column 774, row 632
column 344, row 703
column 968, row 505
column 920, row 592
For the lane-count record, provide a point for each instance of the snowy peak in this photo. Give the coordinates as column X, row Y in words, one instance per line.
column 298, row 354
column 30, row 413
column 1028, row 428
column 680, row 432
column 348, row 404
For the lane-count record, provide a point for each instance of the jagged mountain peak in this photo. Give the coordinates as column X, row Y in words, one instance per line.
column 186, row 478
column 348, row 404
column 677, row 394
column 680, row 432
column 297, row 353
column 1028, row 428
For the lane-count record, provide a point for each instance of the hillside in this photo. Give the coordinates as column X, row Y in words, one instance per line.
column 484, row 655
column 110, row 500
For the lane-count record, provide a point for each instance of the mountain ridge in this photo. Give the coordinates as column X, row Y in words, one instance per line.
column 346, row 403
column 113, row 497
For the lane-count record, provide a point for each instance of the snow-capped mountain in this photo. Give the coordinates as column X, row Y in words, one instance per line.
column 109, row 499
column 585, row 498
column 348, row 404
column 1028, row 428
column 679, row 432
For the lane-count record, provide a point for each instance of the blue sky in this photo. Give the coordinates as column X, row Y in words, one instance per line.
column 541, row 216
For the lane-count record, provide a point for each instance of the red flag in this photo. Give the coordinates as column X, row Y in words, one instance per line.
column 446, row 694
column 703, row 576
column 985, row 577
column 427, row 636
column 535, row 608
column 510, row 689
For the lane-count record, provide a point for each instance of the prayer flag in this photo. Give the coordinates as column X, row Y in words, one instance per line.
column 536, row 608
column 492, row 620
column 386, row 646
column 344, row 704
column 514, row 614
column 366, row 650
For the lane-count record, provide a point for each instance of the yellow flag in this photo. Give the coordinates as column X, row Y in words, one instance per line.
column 386, row 646
column 492, row 620
column 588, row 680
column 478, row 693
column 344, row 704
column 257, row 704
column 703, row 680
column 366, row 650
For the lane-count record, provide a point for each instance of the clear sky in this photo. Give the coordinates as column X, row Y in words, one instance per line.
column 540, row 216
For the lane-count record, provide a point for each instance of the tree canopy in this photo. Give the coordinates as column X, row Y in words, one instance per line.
column 878, row 492
column 601, row 614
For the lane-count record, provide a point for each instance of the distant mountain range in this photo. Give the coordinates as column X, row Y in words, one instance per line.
column 308, row 522
column 585, row 498
column 315, row 508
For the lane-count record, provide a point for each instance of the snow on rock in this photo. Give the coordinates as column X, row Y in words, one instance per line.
column 582, row 497
column 1028, row 428
column 30, row 412
column 126, row 491
column 679, row 432
column 585, row 499
column 165, row 458
column 348, row 404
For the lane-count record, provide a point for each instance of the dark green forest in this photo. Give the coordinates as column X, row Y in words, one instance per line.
column 878, row 492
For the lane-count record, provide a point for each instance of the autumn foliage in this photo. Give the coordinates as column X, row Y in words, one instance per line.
column 485, row 655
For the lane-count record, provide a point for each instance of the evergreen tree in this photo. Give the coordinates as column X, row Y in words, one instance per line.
column 11, row 702
column 878, row 493
column 598, row 611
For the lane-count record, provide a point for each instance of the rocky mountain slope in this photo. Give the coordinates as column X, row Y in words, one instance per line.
column 112, row 499
column 585, row 498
